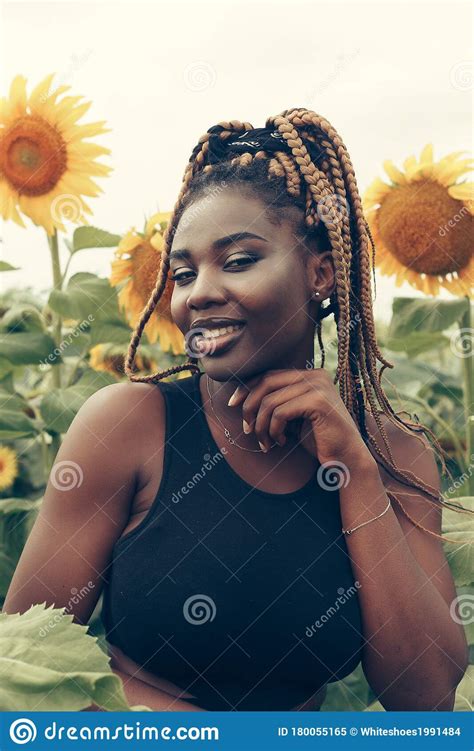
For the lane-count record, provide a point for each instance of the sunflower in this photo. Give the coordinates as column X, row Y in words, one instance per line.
column 45, row 164
column 110, row 358
column 137, row 264
column 422, row 223
column 8, row 467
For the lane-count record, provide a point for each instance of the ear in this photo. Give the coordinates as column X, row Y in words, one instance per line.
column 321, row 275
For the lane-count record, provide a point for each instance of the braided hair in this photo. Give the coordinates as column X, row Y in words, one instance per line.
column 299, row 160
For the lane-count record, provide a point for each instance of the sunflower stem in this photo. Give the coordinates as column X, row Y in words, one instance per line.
column 57, row 320
column 467, row 333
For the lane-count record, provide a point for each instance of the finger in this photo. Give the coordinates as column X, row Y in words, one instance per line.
column 263, row 382
column 268, row 427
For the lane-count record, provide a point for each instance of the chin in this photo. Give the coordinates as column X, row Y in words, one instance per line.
column 223, row 372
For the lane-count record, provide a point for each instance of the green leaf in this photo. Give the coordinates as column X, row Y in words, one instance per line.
column 23, row 318
column 464, row 700
column 417, row 342
column 423, row 315
column 86, row 299
column 16, row 518
column 92, row 237
column 50, row 663
column 110, row 332
column 460, row 555
column 4, row 266
column 350, row 693
column 14, row 423
column 59, row 407
column 5, row 367
column 26, row 348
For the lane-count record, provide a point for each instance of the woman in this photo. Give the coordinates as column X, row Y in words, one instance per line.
column 260, row 526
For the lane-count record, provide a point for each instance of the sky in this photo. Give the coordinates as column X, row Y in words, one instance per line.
column 390, row 77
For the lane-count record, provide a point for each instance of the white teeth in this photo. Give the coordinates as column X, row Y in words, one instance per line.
column 214, row 333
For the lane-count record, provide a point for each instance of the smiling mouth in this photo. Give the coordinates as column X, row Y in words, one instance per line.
column 220, row 340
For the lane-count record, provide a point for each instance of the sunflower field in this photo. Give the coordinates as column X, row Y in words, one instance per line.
column 59, row 349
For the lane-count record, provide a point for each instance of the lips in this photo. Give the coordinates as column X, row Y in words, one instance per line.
column 216, row 345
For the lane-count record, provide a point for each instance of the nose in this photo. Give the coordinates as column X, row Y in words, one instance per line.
column 205, row 292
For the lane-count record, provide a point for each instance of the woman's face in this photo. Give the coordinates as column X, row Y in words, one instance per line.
column 260, row 279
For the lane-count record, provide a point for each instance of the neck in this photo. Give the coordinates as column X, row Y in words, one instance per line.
column 221, row 391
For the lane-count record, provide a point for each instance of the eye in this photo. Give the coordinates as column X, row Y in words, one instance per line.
column 242, row 261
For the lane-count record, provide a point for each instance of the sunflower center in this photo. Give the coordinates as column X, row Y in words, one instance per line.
column 425, row 229
column 33, row 156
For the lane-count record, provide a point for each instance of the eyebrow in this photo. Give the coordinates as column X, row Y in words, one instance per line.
column 217, row 245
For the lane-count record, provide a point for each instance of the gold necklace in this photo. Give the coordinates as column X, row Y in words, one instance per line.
column 226, row 431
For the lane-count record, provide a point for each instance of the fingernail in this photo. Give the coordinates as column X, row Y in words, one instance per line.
column 246, row 427
column 233, row 398
column 264, row 448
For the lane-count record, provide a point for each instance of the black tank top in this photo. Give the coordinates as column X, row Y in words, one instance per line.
column 243, row 598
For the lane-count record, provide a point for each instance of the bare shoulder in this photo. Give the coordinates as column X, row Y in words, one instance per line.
column 125, row 402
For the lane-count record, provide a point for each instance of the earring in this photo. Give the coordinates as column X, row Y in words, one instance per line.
column 315, row 294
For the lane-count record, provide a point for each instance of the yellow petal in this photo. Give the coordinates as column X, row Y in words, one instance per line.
column 463, row 192
column 394, row 173
column 18, row 96
column 375, row 192
column 410, row 165
column 161, row 216
column 157, row 242
column 426, row 156
column 447, row 174
column 41, row 91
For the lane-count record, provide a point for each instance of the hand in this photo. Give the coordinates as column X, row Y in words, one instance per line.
column 278, row 403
